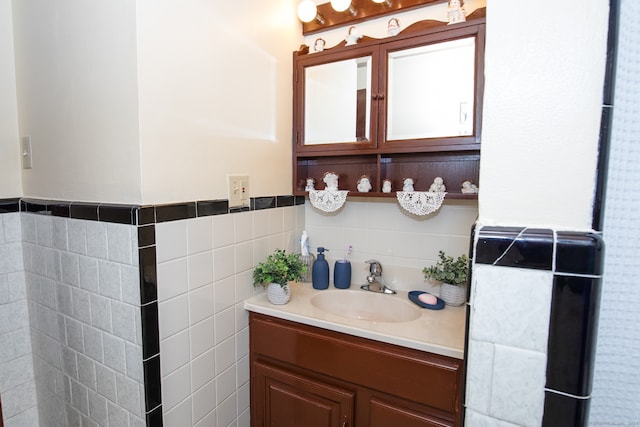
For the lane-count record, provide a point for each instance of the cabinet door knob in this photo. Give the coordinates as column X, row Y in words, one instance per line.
column 374, row 96
column 381, row 96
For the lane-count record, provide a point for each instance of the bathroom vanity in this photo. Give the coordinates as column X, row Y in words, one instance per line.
column 313, row 368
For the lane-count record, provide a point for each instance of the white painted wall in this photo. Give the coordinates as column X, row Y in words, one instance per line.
column 10, row 184
column 215, row 96
column 204, row 111
column 77, row 98
column 544, row 71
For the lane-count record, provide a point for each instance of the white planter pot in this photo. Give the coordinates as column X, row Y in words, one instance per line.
column 453, row 295
column 277, row 294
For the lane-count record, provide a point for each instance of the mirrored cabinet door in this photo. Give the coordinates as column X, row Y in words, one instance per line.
column 337, row 104
column 333, row 108
column 430, row 90
column 433, row 91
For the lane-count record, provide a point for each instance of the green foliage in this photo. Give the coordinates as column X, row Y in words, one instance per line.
column 448, row 270
column 279, row 268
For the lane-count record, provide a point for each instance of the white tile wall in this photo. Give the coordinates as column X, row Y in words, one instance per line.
column 402, row 242
column 511, row 306
column 517, row 392
column 205, row 270
column 17, row 381
column 506, row 363
column 84, row 295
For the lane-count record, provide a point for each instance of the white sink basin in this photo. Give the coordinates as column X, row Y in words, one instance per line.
column 366, row 306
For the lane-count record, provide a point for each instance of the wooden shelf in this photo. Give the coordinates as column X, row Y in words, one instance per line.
column 392, row 195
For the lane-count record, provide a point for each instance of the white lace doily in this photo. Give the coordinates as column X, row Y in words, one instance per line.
column 420, row 202
column 328, row 200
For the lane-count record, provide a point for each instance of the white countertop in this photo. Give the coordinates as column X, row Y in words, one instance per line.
column 435, row 331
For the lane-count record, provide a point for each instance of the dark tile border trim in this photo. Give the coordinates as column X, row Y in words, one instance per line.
column 563, row 411
column 259, row 203
column 573, row 326
column 212, row 207
column 579, row 253
column 576, row 252
column 175, row 211
column 154, row 418
column 141, row 215
column 9, row 205
column 146, row 215
column 34, row 206
column 515, row 247
column 88, row 211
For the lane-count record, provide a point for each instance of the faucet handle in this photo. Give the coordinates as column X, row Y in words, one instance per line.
column 375, row 268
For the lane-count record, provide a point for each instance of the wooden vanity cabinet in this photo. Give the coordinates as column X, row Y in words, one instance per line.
column 455, row 158
column 308, row 376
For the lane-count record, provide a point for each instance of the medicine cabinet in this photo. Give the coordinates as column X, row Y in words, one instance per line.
column 406, row 106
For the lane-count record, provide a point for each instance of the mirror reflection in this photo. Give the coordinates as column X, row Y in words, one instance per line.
column 337, row 107
column 430, row 91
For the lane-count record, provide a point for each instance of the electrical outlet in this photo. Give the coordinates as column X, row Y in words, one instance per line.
column 25, row 151
column 238, row 190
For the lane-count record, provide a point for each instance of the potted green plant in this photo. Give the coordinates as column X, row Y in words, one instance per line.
column 276, row 272
column 452, row 272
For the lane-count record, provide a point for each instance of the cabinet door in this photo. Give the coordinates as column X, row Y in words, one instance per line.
column 385, row 414
column 432, row 91
column 281, row 398
column 333, row 100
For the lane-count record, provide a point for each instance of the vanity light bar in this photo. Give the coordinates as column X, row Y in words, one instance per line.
column 345, row 12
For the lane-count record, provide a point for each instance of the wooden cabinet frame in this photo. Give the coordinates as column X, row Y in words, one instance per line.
column 455, row 159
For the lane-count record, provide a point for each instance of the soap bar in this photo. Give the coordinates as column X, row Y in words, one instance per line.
column 428, row 299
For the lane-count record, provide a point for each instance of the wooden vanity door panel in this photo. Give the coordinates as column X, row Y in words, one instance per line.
column 378, row 366
column 287, row 399
column 385, row 414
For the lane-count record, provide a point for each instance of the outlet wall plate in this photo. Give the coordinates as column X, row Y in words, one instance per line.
column 238, row 190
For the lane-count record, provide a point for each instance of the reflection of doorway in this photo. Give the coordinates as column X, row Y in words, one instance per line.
column 361, row 115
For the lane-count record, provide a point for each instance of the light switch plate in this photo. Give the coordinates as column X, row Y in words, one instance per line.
column 25, row 151
column 238, row 190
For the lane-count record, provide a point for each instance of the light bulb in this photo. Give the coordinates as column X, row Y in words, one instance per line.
column 340, row 5
column 307, row 10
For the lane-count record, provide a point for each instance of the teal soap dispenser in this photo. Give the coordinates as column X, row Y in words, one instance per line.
column 320, row 271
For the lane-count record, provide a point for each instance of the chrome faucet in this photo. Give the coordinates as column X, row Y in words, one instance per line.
column 375, row 282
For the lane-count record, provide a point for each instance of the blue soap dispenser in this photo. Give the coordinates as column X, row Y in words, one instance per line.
column 320, row 271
